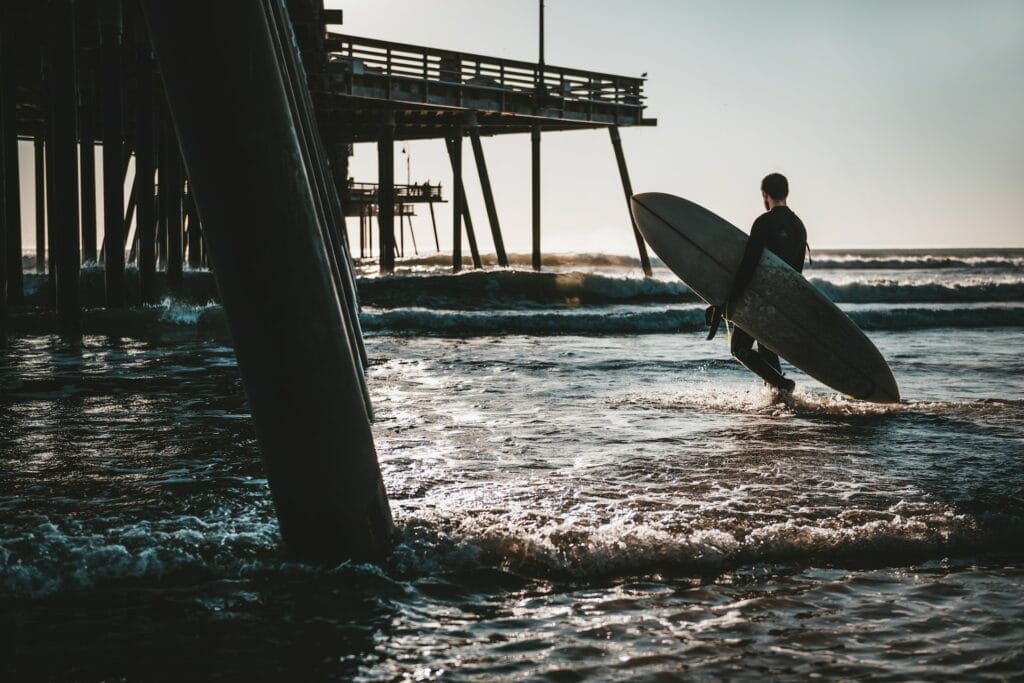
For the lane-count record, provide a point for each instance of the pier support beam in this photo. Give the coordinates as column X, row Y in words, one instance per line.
column 11, row 172
column 87, row 168
column 195, row 232
column 145, row 163
column 433, row 223
column 39, row 149
column 535, row 194
column 460, row 187
column 627, row 188
column 485, row 185
column 386, row 196
column 114, row 227
column 281, row 302
column 458, row 197
column 4, row 126
column 62, row 173
column 172, row 185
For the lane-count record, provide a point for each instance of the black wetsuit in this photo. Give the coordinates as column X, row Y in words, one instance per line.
column 781, row 231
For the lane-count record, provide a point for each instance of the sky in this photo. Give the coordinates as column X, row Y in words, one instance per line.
column 900, row 123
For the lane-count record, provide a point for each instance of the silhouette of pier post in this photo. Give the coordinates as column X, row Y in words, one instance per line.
column 87, row 162
column 455, row 146
column 39, row 152
column 485, row 186
column 112, row 83
column 145, row 171
column 627, row 188
column 5, row 125
column 386, row 185
column 62, row 190
column 535, row 194
column 296, row 362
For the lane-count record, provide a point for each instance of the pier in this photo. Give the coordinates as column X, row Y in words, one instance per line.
column 235, row 144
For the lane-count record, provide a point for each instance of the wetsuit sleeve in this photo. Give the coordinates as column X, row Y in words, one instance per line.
column 751, row 257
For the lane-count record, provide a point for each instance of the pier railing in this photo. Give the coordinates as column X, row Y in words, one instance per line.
column 423, row 192
column 427, row 75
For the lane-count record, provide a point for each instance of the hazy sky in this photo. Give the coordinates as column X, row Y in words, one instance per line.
column 899, row 123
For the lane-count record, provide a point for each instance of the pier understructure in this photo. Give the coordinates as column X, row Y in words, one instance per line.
column 235, row 141
column 377, row 91
column 362, row 200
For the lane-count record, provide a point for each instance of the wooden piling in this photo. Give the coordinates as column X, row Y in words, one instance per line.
column 39, row 149
column 458, row 197
column 295, row 360
column 433, row 222
column 4, row 126
column 87, row 169
column 535, row 194
column 386, row 195
column 195, row 232
column 145, row 162
column 172, row 185
column 485, row 185
column 11, row 173
column 63, row 186
column 461, row 190
column 114, row 227
column 627, row 188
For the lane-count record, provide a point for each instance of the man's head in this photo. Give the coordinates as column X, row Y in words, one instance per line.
column 774, row 190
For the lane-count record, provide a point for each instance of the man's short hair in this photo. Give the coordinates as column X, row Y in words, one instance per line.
column 775, row 186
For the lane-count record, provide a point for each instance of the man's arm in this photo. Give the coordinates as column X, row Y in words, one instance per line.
column 751, row 257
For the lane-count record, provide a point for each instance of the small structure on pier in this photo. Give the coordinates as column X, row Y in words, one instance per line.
column 362, row 200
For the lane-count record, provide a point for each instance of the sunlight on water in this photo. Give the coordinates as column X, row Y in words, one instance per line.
column 579, row 500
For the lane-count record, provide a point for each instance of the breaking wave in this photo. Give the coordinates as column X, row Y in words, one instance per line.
column 513, row 289
column 648, row 320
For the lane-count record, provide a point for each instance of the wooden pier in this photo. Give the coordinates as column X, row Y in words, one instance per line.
column 378, row 91
column 235, row 143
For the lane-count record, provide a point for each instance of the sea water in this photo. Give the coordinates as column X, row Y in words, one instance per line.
column 583, row 488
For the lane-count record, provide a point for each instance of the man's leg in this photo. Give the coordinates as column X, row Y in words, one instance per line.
column 770, row 357
column 742, row 346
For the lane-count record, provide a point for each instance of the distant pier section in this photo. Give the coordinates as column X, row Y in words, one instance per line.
column 370, row 90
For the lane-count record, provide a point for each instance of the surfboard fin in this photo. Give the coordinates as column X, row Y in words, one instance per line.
column 713, row 318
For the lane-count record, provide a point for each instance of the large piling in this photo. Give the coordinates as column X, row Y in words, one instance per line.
column 458, row 197
column 11, row 173
column 145, row 169
column 386, row 194
column 328, row 205
column 113, row 152
column 627, row 189
column 455, row 150
column 4, row 125
column 39, row 151
column 282, row 305
column 535, row 195
column 62, row 173
column 485, row 186
column 87, row 168
column 172, row 184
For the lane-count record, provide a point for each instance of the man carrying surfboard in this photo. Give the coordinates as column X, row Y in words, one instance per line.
column 781, row 231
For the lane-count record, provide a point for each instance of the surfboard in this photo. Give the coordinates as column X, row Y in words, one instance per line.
column 779, row 307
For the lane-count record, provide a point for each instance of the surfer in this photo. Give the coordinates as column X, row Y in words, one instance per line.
column 781, row 231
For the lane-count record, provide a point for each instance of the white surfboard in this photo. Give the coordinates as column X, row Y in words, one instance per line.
column 779, row 307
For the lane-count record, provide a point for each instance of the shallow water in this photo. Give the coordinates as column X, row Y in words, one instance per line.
column 569, row 506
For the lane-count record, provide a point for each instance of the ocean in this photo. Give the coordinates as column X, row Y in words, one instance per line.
column 583, row 488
